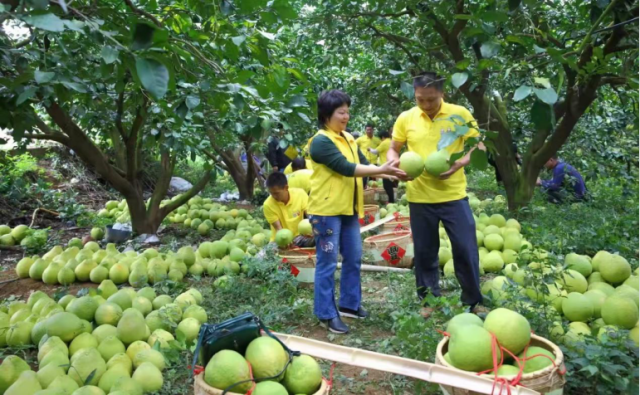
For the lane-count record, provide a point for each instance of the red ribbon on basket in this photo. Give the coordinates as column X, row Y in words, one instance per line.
column 199, row 369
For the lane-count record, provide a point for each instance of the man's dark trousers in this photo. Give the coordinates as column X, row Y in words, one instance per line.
column 458, row 221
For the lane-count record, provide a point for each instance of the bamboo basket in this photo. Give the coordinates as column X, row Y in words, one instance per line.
column 304, row 260
column 369, row 196
column 381, row 247
column 371, row 214
column 544, row 381
column 397, row 225
column 202, row 388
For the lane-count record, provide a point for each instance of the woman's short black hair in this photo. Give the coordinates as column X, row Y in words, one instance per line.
column 383, row 134
column 328, row 102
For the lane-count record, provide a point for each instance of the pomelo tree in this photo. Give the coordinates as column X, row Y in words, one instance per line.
column 128, row 84
column 530, row 70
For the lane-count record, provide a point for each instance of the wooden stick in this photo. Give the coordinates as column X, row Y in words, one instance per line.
column 33, row 217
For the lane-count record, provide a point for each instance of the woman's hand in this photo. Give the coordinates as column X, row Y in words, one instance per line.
column 391, row 169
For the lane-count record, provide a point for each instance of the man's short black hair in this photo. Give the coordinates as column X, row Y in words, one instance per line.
column 328, row 102
column 554, row 156
column 298, row 164
column 383, row 134
column 369, row 125
column 277, row 179
column 429, row 79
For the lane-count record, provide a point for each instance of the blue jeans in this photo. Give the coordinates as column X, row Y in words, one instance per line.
column 333, row 233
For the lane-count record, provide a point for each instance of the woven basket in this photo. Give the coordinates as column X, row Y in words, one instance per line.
column 202, row 388
column 397, row 225
column 380, row 245
column 371, row 214
column 544, row 381
column 369, row 196
column 304, row 260
column 381, row 195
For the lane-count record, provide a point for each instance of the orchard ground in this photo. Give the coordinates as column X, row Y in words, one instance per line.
column 394, row 326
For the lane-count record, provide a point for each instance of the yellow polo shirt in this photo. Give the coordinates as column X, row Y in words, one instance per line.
column 301, row 179
column 382, row 149
column 289, row 214
column 421, row 135
column 289, row 169
column 364, row 142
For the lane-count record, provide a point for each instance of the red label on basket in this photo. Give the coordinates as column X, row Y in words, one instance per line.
column 361, row 221
column 295, row 271
column 368, row 219
column 399, row 228
column 393, row 253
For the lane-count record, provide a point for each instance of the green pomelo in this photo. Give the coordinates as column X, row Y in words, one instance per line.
column 89, row 390
column 48, row 373
column 507, row 370
column 128, row 386
column 577, row 307
column 189, row 327
column 122, row 299
column 107, row 288
column 510, row 328
column 463, row 320
column 64, row 325
column 110, row 377
column 602, row 286
column 444, row 255
column 597, row 299
column 305, row 228
column 132, row 327
column 493, row 242
column 196, row 312
column 284, row 237
column 149, row 377
column 270, row 388
column 161, row 301
column 108, row 313
column 84, row 307
column 436, row 163
column 111, row 346
column 149, row 355
column 136, row 347
column 219, row 249
column 512, row 242
column 498, row 220
column 143, row 305
column 65, row 383
column 11, row 368
column 26, row 384
column 104, row 331
column 579, row 263
column 535, row 359
column 121, row 360
column 615, row 270
column 162, row 337
column 303, row 375
column 83, row 340
column 470, row 349
column 84, row 363
column 267, row 357
column 620, row 311
column 225, row 368
column 493, row 262
column 574, row 281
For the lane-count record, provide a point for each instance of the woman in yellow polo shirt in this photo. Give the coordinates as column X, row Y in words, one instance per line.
column 335, row 205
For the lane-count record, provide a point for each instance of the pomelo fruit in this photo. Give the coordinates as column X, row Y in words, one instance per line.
column 470, row 348
column 497, row 220
column 187, row 255
column 26, row 384
column 19, row 232
column 412, row 164
column 65, row 326
column 84, row 363
column 602, row 286
column 121, row 360
column 143, row 305
column 149, row 377
column 65, row 383
column 84, row 307
column 196, row 312
column 267, row 357
column 110, row 377
column 577, row 307
column 436, row 163
column 579, row 263
column 493, row 262
column 162, row 337
column 493, row 241
column 305, row 228
column 132, row 327
column 149, row 355
column 615, row 270
column 303, row 375
column 122, row 299
column 126, row 386
column 219, row 249
column 110, row 346
column 48, row 373
column 160, row 301
column 510, row 328
column 225, row 368
column 136, row 347
column 574, row 281
column 11, row 368
column 108, row 313
column 83, row 340
column 270, row 388
column 189, row 327
column 507, row 370
column 97, row 233
column 104, row 331
column 512, row 242
column 284, row 237
column 620, row 311
column 462, row 320
column 597, row 299
column 535, row 359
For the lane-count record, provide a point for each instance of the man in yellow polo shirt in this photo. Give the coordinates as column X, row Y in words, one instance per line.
column 285, row 208
column 444, row 198
column 368, row 140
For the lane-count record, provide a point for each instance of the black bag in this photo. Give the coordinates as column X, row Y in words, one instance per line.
column 234, row 334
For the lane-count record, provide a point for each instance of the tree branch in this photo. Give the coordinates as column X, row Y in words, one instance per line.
column 143, row 13
column 396, row 40
column 389, row 15
column 119, row 111
column 164, row 211
column 132, row 141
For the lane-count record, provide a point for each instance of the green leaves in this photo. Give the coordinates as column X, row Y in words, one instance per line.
column 27, row 94
column 109, row 54
column 479, row 159
column 267, row 35
column 489, row 49
column 42, row 77
column 49, row 22
column 142, row 36
column 494, row 16
column 548, row 95
column 407, row 89
column 154, row 76
column 458, row 79
column 542, row 116
column 522, row 92
column 396, row 72
column 238, row 40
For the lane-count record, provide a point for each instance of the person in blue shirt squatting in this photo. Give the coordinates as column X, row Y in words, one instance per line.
column 567, row 185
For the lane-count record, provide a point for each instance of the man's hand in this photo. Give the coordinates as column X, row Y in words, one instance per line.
column 455, row 167
column 538, row 182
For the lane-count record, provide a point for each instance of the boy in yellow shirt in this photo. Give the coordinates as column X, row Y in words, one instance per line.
column 285, row 208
